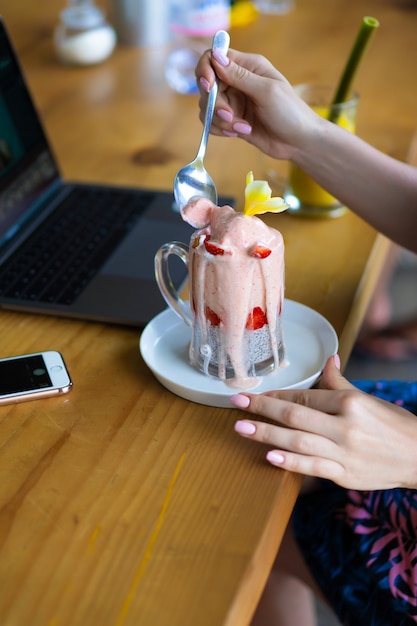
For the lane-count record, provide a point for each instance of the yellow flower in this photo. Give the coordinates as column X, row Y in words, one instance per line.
column 243, row 13
column 258, row 198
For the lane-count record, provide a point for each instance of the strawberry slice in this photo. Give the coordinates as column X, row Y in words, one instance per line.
column 212, row 317
column 212, row 248
column 261, row 252
column 256, row 319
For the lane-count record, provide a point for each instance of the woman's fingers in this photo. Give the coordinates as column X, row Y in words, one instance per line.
column 294, row 450
column 307, row 465
column 300, row 441
column 311, row 410
column 303, row 439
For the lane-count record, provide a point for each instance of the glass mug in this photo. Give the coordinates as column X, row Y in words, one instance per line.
column 305, row 197
column 254, row 349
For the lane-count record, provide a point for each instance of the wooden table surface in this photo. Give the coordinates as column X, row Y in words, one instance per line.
column 122, row 504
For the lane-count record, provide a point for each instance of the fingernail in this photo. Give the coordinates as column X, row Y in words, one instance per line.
column 245, row 428
column 220, row 57
column 224, row 115
column 274, row 457
column 205, row 84
column 242, row 128
column 336, row 360
column 239, row 400
column 227, row 133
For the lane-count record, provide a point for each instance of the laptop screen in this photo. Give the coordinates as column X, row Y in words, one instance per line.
column 27, row 167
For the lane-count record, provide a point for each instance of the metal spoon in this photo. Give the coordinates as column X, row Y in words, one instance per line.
column 192, row 179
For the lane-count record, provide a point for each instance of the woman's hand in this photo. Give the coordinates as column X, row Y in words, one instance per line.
column 255, row 102
column 338, row 432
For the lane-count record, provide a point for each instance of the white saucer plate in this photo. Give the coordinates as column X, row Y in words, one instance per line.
column 309, row 341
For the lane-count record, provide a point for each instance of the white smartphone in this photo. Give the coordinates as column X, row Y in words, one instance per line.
column 32, row 376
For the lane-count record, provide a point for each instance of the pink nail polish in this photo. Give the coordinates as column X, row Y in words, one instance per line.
column 242, row 128
column 224, row 115
column 274, row 457
column 220, row 57
column 205, row 84
column 245, row 428
column 227, row 133
column 336, row 360
column 239, row 400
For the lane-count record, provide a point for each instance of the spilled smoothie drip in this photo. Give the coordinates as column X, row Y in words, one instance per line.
column 236, row 280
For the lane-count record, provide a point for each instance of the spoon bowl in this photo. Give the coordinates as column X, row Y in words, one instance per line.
column 193, row 179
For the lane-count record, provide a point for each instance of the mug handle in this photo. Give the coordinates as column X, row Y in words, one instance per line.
column 164, row 281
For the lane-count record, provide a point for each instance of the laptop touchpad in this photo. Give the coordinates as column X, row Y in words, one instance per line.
column 135, row 255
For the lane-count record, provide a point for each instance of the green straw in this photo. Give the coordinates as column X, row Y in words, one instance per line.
column 368, row 26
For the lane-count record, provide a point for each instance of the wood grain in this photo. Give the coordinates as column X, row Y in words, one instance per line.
column 122, row 504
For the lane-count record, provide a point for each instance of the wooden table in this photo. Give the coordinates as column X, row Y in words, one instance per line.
column 122, row 504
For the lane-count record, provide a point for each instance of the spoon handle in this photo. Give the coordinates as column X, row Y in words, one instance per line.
column 221, row 40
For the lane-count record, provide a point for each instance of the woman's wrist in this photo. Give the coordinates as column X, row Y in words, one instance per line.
column 309, row 151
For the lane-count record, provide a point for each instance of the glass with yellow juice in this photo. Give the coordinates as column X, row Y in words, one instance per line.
column 304, row 196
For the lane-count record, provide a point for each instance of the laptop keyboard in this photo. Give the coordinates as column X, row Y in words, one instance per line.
column 61, row 257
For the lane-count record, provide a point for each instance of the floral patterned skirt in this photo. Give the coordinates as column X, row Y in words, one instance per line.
column 361, row 546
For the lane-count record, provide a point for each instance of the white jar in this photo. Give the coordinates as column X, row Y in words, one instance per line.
column 83, row 37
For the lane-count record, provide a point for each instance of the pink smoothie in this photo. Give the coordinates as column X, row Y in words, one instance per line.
column 236, row 282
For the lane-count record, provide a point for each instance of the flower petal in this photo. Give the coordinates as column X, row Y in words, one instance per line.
column 274, row 205
column 258, row 198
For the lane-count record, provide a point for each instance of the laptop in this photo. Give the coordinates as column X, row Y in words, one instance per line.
column 71, row 249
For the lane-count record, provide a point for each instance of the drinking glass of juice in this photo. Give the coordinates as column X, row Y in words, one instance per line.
column 304, row 196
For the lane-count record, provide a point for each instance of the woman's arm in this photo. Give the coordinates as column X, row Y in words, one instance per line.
column 377, row 187
column 258, row 104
